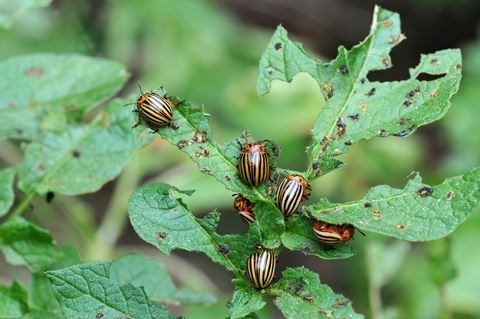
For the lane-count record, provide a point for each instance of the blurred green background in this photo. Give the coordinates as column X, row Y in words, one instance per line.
column 208, row 51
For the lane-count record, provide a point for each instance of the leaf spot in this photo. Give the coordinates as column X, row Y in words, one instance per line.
column 354, row 117
column 228, row 178
column 433, row 93
column 367, row 205
column 99, row 315
column 387, row 61
column 223, row 249
column 328, row 89
column 425, row 191
column 371, row 92
column 199, row 137
column 387, row 23
column 377, row 214
column 341, row 127
column 434, row 61
column 404, row 132
column 382, row 132
column 34, row 72
column 396, row 39
column 206, row 170
column 76, row 153
column 269, row 70
column 450, row 195
column 362, row 106
column 315, row 166
column 401, row 226
column 182, row 143
column 344, row 70
column 41, row 167
column 202, row 152
column 308, row 298
column 162, row 235
column 49, row 196
column 348, row 143
column 278, row 46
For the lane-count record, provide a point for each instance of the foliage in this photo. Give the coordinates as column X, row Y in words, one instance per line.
column 72, row 146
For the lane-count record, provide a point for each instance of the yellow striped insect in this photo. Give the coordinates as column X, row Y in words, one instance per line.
column 244, row 209
column 331, row 234
column 254, row 164
column 261, row 268
column 291, row 192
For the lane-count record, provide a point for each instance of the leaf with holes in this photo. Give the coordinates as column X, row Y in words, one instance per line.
column 45, row 91
column 26, row 244
column 152, row 276
column 356, row 107
column 417, row 213
column 163, row 220
column 82, row 158
column 299, row 236
column 86, row 291
column 6, row 190
column 299, row 294
column 245, row 300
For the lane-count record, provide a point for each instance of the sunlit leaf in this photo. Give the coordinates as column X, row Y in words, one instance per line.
column 417, row 213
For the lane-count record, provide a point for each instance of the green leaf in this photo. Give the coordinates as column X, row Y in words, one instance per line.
column 13, row 301
column 417, row 213
column 245, row 300
column 300, row 295
column 11, row 10
column 82, row 158
column 164, row 221
column 299, row 236
column 194, row 137
column 440, row 264
column 86, row 291
column 6, row 190
column 26, row 244
column 383, row 261
column 43, row 91
column 152, row 276
column 357, row 108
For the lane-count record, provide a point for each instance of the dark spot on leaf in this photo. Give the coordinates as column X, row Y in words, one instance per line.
column 308, row 298
column 275, row 149
column 295, row 287
column 206, row 170
column 425, row 191
column 344, row 70
column 429, row 77
column 371, row 92
column 199, row 137
column 377, row 213
column 341, row 127
column 182, row 143
column 278, row 46
column 348, row 143
column 173, row 126
column 434, row 61
column 401, row 226
column 49, row 196
column 328, row 89
column 381, row 132
column 41, row 166
column 34, row 72
column 404, row 132
column 395, row 39
column 76, row 153
column 99, row 315
column 387, row 23
column 305, row 249
column 362, row 80
column 202, row 152
column 407, row 103
column 228, row 178
column 223, row 249
column 315, row 166
column 269, row 70
column 404, row 121
column 354, row 117
column 450, row 195
column 410, row 94
column 458, row 66
column 162, row 235
column 367, row 205
column 387, row 61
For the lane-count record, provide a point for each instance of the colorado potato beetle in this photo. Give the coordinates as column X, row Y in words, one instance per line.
column 261, row 268
column 254, row 164
column 332, row 234
column 155, row 109
column 291, row 192
column 244, row 209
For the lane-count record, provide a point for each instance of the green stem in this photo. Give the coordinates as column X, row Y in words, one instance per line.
column 23, row 204
column 375, row 301
column 444, row 307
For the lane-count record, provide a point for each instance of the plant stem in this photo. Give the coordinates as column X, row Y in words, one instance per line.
column 375, row 301
column 444, row 307
column 23, row 204
column 115, row 217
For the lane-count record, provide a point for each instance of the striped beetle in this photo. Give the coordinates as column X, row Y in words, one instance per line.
column 291, row 192
column 254, row 164
column 155, row 109
column 332, row 234
column 261, row 267
column 244, row 209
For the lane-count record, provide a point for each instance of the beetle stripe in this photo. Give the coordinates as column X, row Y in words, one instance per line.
column 261, row 268
column 289, row 196
column 328, row 237
column 155, row 109
column 247, row 217
column 254, row 168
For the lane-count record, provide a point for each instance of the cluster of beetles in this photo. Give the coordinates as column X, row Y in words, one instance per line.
column 254, row 169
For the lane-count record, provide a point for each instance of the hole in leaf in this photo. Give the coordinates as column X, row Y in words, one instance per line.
column 76, row 153
column 429, row 77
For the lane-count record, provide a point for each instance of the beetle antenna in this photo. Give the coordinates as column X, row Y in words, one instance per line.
column 140, row 87
column 361, row 232
column 133, row 103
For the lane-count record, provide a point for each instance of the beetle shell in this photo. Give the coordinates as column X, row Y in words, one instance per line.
column 332, row 234
column 291, row 192
column 261, row 268
column 244, row 209
column 254, row 164
column 155, row 109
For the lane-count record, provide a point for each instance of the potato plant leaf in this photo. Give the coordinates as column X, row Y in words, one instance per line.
column 86, row 291
column 152, row 276
column 356, row 107
column 299, row 294
column 13, row 301
column 26, row 244
column 418, row 212
column 6, row 190
column 245, row 300
column 299, row 236
column 43, row 91
column 163, row 220
column 11, row 10
column 82, row 158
